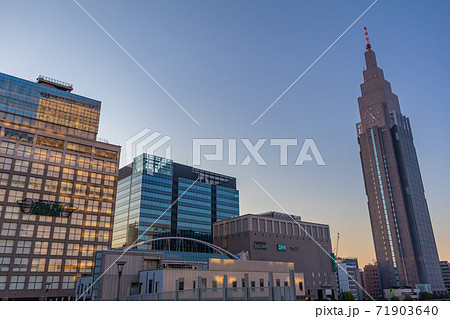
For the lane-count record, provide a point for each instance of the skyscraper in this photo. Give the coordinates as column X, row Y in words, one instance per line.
column 401, row 226
column 57, row 188
column 174, row 199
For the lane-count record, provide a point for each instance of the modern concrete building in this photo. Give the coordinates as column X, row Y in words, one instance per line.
column 175, row 276
column 401, row 226
column 57, row 188
column 178, row 200
column 372, row 281
column 276, row 236
column 349, row 277
column 445, row 268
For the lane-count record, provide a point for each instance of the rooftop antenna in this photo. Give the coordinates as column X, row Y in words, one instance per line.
column 368, row 46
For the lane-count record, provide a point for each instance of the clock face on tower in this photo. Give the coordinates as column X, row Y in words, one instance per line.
column 372, row 115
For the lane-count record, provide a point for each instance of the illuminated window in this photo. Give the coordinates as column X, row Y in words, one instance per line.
column 70, row 159
column 82, row 176
column 62, row 220
column 107, row 207
column 24, row 151
column 91, row 220
column 14, row 196
column 73, row 249
column 76, row 219
column 5, row 163
column 110, row 167
column 4, row 177
column 45, row 219
column 70, row 265
column 26, row 230
column 109, row 180
column 7, row 148
column 105, row 221
column 38, row 265
column 108, row 193
column 59, row 233
column 48, row 141
column 12, row 212
column 87, row 250
column 94, row 191
column 92, row 206
column 79, row 203
column 40, row 154
column 66, row 188
column 96, row 178
column 68, row 173
column 86, row 266
column 54, row 265
column 97, row 165
column 89, row 235
column 53, row 171
column 103, row 236
column 21, row 166
column 84, row 162
column 18, row 181
column 51, row 185
column 37, row 169
column 80, row 189
column 55, row 157
column 35, row 183
column 40, row 248
column 57, row 249
column 43, row 231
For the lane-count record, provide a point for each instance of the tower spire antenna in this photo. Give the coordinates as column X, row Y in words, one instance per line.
column 368, row 46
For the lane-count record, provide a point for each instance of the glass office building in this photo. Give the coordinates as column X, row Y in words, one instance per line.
column 148, row 187
column 57, row 188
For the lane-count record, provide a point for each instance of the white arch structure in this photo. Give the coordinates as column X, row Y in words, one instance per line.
column 212, row 246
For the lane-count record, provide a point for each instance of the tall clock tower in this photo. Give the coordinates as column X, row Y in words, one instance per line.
column 401, row 226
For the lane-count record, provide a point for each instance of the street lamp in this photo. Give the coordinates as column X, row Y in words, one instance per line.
column 47, row 288
column 120, row 264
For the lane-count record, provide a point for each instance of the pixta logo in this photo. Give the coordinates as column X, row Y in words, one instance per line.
column 308, row 148
column 147, row 141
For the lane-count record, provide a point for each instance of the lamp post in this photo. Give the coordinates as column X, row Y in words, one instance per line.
column 120, row 264
column 47, row 288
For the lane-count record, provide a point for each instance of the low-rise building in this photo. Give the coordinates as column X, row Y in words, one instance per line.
column 159, row 276
column 281, row 237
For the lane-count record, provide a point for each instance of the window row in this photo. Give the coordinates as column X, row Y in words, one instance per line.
column 37, row 282
column 45, row 247
column 43, row 154
column 42, row 231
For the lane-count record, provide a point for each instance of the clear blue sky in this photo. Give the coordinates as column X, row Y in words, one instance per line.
column 226, row 61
